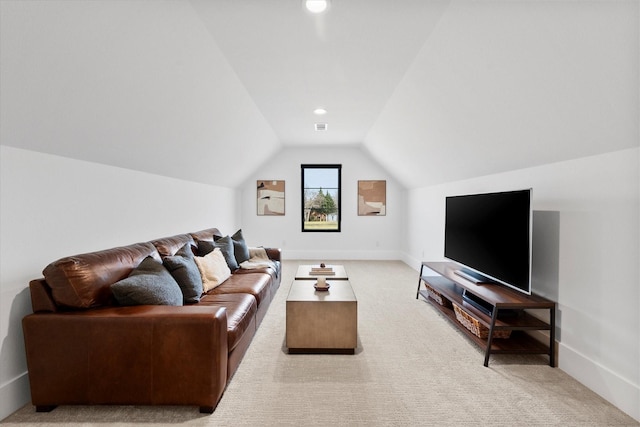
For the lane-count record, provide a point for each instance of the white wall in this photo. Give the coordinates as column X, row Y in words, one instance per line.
column 597, row 202
column 362, row 237
column 54, row 207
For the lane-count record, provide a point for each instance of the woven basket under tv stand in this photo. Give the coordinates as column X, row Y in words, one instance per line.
column 508, row 312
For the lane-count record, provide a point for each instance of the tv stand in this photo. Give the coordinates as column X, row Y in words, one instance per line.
column 495, row 307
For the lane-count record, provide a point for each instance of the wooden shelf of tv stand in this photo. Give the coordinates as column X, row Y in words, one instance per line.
column 500, row 298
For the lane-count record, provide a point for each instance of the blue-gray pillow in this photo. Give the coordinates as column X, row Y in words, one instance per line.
column 226, row 247
column 184, row 270
column 204, row 247
column 148, row 284
column 240, row 248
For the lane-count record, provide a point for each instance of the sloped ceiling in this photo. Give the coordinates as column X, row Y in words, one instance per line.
column 135, row 84
column 348, row 60
column 501, row 86
column 208, row 90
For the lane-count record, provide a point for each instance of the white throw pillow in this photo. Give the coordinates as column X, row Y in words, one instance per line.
column 213, row 269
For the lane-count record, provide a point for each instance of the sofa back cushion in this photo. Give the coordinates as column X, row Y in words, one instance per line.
column 168, row 246
column 207, row 234
column 83, row 281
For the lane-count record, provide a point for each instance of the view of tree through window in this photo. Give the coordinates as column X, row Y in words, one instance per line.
column 321, row 197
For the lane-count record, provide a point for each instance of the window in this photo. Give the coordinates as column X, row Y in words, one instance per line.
column 321, row 197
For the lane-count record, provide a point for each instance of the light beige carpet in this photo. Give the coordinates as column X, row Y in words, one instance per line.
column 412, row 368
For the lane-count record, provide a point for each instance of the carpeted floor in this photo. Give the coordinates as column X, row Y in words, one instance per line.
column 412, row 368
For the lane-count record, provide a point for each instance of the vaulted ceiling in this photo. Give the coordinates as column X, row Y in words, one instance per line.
column 209, row 90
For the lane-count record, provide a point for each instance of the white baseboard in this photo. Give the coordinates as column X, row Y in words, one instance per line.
column 610, row 386
column 352, row 255
column 14, row 395
column 410, row 261
column 338, row 255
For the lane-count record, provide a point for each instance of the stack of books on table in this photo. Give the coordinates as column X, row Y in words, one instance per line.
column 322, row 271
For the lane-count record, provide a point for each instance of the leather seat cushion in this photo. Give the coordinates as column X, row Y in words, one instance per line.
column 241, row 311
column 267, row 270
column 256, row 284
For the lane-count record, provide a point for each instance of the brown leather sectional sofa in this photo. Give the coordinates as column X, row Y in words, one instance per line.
column 83, row 348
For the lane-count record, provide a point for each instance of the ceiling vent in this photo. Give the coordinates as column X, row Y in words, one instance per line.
column 321, row 126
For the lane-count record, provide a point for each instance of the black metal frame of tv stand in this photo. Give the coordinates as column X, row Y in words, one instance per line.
column 507, row 312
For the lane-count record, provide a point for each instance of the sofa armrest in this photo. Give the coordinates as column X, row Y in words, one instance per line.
column 41, row 297
column 274, row 253
column 128, row 355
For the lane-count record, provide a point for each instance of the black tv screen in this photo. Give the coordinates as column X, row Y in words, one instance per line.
column 490, row 235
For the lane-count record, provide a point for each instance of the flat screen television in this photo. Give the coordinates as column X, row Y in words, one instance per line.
column 489, row 234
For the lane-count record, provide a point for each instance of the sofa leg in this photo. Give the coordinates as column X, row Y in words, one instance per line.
column 45, row 408
column 207, row 409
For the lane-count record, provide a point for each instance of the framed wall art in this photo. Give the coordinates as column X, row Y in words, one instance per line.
column 270, row 197
column 372, row 198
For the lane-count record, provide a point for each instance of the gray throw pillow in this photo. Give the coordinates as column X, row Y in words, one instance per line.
column 226, row 247
column 184, row 270
column 149, row 283
column 204, row 247
column 240, row 248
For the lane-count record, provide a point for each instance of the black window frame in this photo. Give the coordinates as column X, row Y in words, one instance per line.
column 303, row 209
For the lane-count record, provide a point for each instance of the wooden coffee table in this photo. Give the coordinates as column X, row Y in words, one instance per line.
column 322, row 321
column 304, row 272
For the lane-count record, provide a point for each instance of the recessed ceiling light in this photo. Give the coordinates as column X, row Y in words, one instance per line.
column 320, row 111
column 316, row 6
